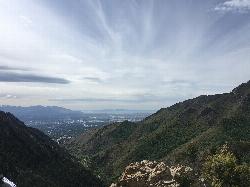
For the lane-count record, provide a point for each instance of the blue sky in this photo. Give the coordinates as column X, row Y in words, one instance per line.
column 90, row 54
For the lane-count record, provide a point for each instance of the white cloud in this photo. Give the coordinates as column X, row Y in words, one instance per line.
column 234, row 5
column 7, row 96
column 26, row 20
column 118, row 50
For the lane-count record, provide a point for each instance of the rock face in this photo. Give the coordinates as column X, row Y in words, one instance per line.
column 151, row 173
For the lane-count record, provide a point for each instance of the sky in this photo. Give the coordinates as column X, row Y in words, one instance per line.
column 109, row 54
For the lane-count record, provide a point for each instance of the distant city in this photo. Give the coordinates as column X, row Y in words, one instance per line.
column 63, row 124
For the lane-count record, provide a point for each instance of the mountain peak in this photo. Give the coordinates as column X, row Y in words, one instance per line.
column 8, row 117
column 242, row 89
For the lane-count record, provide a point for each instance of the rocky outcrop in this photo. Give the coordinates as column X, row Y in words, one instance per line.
column 151, row 173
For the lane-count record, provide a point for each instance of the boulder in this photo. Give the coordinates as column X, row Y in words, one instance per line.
column 151, row 173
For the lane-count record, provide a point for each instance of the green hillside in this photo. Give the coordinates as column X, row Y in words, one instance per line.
column 184, row 133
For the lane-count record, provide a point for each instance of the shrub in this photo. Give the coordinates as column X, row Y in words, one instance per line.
column 222, row 170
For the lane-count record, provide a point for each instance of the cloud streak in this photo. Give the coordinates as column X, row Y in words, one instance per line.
column 8, row 96
column 138, row 98
column 93, row 79
column 2, row 67
column 18, row 77
column 234, row 5
column 125, row 54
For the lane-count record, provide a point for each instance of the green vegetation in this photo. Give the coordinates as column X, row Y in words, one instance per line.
column 184, row 133
column 222, row 170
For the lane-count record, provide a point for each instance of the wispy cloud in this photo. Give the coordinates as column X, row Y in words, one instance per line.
column 8, row 96
column 18, row 77
column 93, row 79
column 234, row 5
column 178, row 82
column 137, row 98
column 2, row 67
column 116, row 53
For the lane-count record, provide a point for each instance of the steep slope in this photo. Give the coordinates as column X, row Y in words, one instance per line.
column 30, row 158
column 183, row 133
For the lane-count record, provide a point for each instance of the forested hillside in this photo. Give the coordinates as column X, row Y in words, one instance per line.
column 186, row 133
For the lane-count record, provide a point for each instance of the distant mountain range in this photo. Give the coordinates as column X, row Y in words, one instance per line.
column 54, row 112
column 30, row 158
column 40, row 112
column 185, row 133
column 118, row 111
